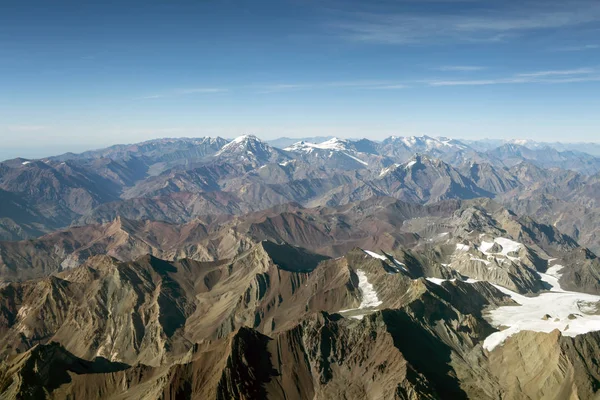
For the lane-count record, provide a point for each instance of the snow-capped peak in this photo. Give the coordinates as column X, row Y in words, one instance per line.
column 331, row 144
column 426, row 143
column 245, row 143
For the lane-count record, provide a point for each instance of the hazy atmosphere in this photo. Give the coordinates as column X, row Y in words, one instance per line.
column 80, row 75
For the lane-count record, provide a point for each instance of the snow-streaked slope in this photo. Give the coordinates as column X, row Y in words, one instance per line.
column 328, row 148
column 375, row 255
column 426, row 143
column 331, row 144
column 570, row 312
column 369, row 295
column 369, row 298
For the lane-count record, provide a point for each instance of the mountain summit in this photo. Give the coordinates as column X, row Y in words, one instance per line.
column 250, row 149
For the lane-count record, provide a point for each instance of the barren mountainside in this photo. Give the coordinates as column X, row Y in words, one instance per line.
column 412, row 268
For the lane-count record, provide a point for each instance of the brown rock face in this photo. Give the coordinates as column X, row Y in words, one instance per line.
column 255, row 316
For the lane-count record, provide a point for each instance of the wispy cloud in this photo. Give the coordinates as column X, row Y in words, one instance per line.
column 548, row 77
column 280, row 87
column 183, row 92
column 578, row 71
column 391, row 87
column 460, row 68
column 492, row 24
column 201, row 90
column 578, row 48
column 358, row 84
column 149, row 97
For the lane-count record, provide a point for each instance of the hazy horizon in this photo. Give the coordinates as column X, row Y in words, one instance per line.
column 84, row 75
column 34, row 152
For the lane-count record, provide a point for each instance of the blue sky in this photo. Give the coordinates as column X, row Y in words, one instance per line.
column 76, row 75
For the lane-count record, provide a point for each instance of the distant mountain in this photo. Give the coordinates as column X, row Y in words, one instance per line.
column 155, row 151
column 178, row 180
column 546, row 157
column 339, row 153
column 426, row 180
column 252, row 150
column 282, row 143
column 592, row 148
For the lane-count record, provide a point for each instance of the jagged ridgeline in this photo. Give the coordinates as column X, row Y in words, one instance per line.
column 413, row 268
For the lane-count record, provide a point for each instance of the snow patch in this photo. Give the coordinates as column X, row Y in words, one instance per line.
column 486, row 262
column 375, row 255
column 559, row 304
column 331, row 144
column 438, row 281
column 369, row 296
column 356, row 159
column 385, row 171
column 462, row 247
column 508, row 245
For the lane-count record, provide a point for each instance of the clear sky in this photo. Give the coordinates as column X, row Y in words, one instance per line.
column 83, row 74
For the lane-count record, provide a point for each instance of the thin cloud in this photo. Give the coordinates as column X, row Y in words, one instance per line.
column 489, row 25
column 478, row 82
column 578, row 71
column 359, row 84
column 152, row 96
column 183, row 92
column 390, row 87
column 460, row 68
column 548, row 77
column 201, row 90
column 578, row 48
column 280, row 87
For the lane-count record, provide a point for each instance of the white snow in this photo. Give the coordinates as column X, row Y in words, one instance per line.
column 385, row 171
column 26, row 162
column 410, row 164
column 356, row 159
column 551, row 277
column 486, row 246
column 508, row 245
column 400, row 265
column 554, row 271
column 369, row 296
column 375, row 255
column 331, row 144
column 438, row 281
column 245, row 139
column 384, row 258
column 340, row 145
column 486, row 262
column 527, row 316
column 558, row 303
column 242, row 138
column 462, row 247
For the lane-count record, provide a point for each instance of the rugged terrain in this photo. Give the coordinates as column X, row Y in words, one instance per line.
column 203, row 268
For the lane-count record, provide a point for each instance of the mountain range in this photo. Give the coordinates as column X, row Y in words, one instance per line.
column 411, row 268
